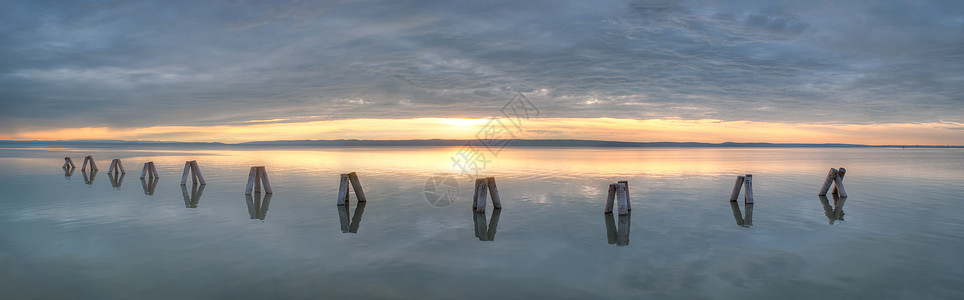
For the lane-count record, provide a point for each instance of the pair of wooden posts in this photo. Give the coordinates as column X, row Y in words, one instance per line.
column 835, row 178
column 343, row 188
column 68, row 164
column 116, row 167
column 483, row 188
column 149, row 170
column 256, row 177
column 90, row 159
column 618, row 192
column 195, row 171
column 743, row 181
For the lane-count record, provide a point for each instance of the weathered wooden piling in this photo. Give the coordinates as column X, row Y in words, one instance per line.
column 494, row 193
column 748, row 183
column 357, row 187
column 737, row 187
column 610, row 199
column 622, row 198
column 840, row 173
column 93, row 166
column 481, row 193
column 838, row 185
column 350, row 182
column 191, row 167
column 629, row 202
column 258, row 176
column 68, row 163
column 149, row 170
column 827, row 182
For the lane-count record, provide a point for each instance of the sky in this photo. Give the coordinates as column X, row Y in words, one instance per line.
column 870, row 72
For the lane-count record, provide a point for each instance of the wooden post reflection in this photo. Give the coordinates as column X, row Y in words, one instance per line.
column 486, row 232
column 257, row 207
column 115, row 180
column 834, row 212
column 149, row 186
column 191, row 200
column 344, row 216
column 618, row 233
column 742, row 219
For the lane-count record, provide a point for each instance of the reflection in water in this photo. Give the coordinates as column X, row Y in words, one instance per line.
column 190, row 201
column 742, row 220
column 115, row 180
column 618, row 235
column 149, row 186
column 834, row 213
column 483, row 232
column 69, row 172
column 257, row 208
column 89, row 178
column 343, row 216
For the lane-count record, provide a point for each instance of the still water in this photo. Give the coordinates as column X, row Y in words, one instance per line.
column 899, row 234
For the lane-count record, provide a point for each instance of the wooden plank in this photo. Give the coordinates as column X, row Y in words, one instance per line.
column 610, row 199
column 483, row 194
column 840, row 173
column 494, row 193
column 748, row 182
column 187, row 168
column 264, row 179
column 251, row 178
column 257, row 180
column 343, row 189
column 147, row 167
column 475, row 193
column 827, row 182
column 838, row 185
column 621, row 199
column 735, row 194
column 356, row 185
column 629, row 202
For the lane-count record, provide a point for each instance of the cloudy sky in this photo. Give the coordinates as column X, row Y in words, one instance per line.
column 876, row 72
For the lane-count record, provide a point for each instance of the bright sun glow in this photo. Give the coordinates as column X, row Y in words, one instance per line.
column 462, row 122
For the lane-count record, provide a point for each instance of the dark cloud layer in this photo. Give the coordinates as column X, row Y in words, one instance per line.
column 133, row 63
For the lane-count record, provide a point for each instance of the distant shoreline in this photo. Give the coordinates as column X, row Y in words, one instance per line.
column 553, row 143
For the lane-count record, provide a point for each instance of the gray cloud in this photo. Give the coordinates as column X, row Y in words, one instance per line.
column 130, row 64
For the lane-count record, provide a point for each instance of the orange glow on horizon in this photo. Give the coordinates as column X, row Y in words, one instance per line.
column 631, row 130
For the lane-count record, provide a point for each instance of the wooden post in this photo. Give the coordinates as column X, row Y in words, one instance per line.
column 735, row 195
column 252, row 177
column 840, row 173
column 827, row 182
column 68, row 163
column 748, row 196
column 264, row 180
column 621, row 199
column 93, row 166
column 197, row 172
column 838, row 185
column 610, row 199
column 356, row 185
column 342, row 189
column 494, row 193
column 187, row 170
column 149, row 170
column 629, row 203
column 116, row 167
column 482, row 192
column 475, row 193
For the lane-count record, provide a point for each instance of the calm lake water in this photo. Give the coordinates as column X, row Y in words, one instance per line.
column 899, row 234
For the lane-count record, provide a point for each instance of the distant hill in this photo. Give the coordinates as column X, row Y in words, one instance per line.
column 434, row 143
